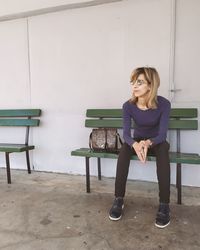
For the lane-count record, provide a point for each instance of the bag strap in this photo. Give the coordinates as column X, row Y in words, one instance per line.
column 119, row 138
column 90, row 141
column 106, row 138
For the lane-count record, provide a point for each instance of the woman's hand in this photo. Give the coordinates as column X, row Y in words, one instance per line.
column 141, row 149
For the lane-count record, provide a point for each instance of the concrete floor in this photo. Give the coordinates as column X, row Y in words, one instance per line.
column 47, row 211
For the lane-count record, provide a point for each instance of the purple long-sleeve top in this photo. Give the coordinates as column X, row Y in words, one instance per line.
column 149, row 124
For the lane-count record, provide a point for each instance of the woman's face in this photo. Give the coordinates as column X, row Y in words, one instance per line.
column 140, row 87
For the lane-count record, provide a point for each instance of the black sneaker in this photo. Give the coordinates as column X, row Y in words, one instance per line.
column 163, row 216
column 116, row 209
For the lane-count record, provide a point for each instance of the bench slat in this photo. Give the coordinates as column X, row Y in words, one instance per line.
column 183, row 124
column 10, row 147
column 183, row 113
column 101, row 123
column 117, row 113
column 19, row 112
column 174, row 157
column 117, row 123
column 101, row 113
column 19, row 122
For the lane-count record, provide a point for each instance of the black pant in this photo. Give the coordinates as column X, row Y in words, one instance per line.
column 161, row 151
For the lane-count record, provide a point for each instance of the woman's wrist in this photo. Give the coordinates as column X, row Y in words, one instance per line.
column 149, row 143
column 134, row 144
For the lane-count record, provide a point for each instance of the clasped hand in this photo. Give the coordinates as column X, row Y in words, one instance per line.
column 141, row 149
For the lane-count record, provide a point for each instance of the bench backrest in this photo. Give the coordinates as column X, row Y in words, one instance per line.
column 20, row 118
column 180, row 119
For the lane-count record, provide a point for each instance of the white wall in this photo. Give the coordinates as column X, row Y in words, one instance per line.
column 82, row 58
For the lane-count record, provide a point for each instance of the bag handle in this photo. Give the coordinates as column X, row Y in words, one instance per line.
column 106, row 144
column 119, row 139
column 90, row 141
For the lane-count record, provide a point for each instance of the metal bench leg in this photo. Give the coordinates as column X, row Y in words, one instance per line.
column 178, row 182
column 8, row 168
column 28, row 162
column 87, row 174
column 99, row 167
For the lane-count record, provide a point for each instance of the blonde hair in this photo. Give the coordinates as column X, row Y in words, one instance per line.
column 152, row 77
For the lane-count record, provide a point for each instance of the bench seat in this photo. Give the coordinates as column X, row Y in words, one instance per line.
column 11, row 147
column 174, row 156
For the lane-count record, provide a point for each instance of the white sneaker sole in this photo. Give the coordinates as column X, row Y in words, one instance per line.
column 160, row 226
column 115, row 219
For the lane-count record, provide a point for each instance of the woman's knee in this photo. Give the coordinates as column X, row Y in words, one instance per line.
column 162, row 147
column 165, row 145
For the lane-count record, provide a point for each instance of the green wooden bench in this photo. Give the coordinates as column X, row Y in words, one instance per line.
column 180, row 119
column 18, row 118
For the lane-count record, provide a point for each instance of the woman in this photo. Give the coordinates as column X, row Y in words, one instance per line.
column 150, row 114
